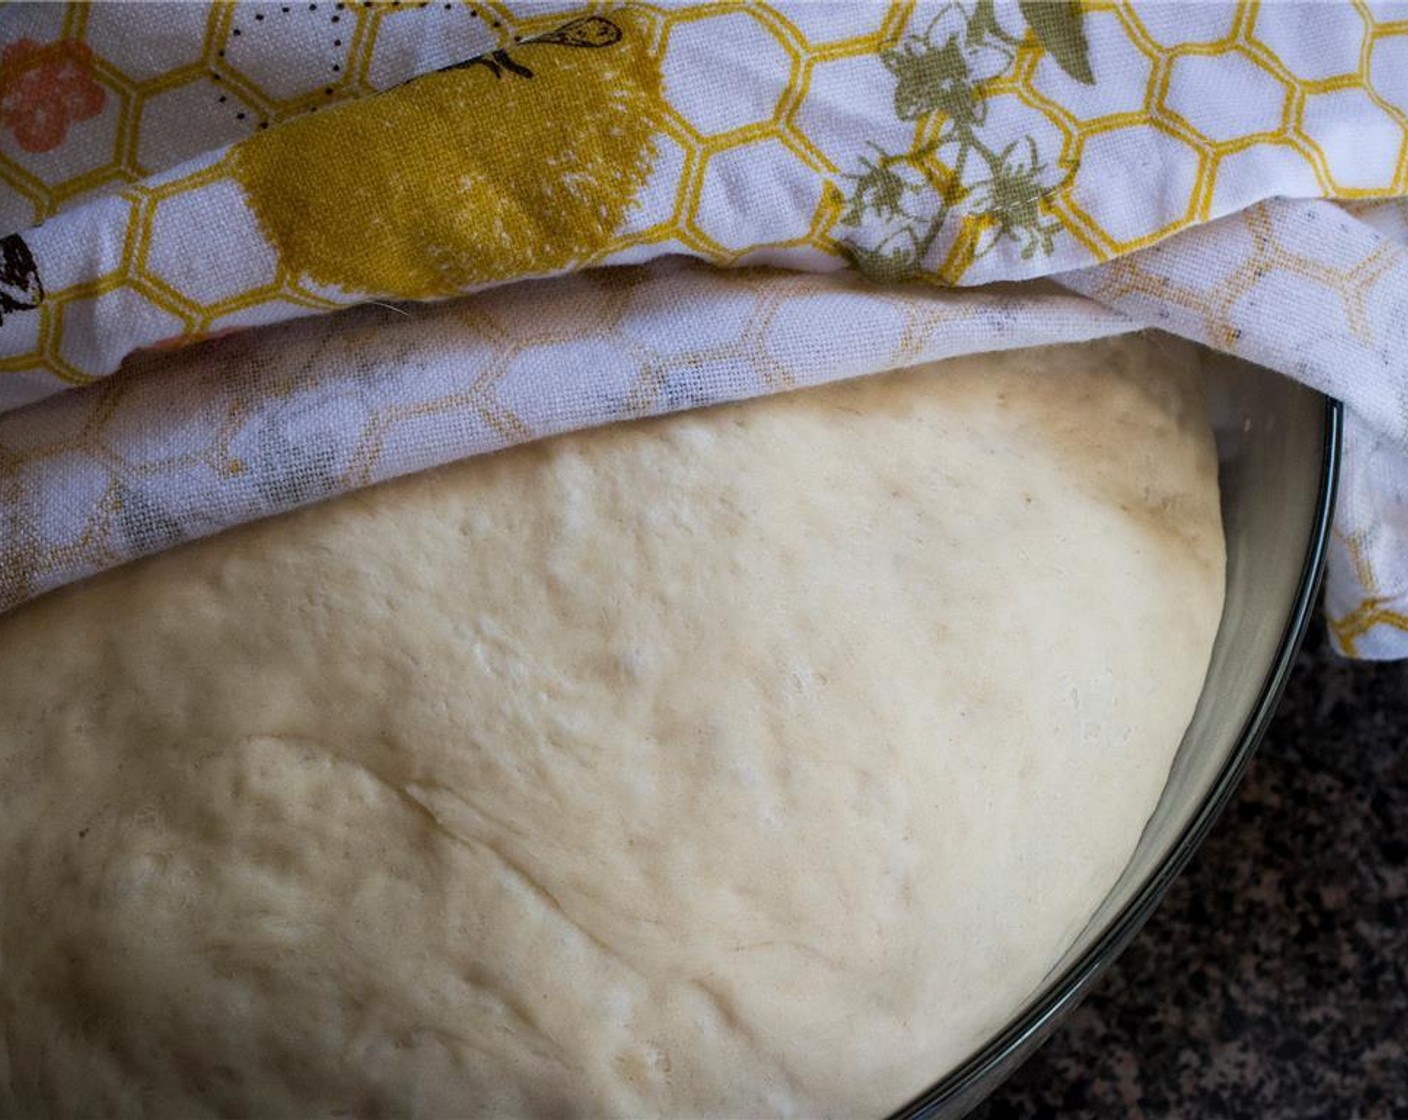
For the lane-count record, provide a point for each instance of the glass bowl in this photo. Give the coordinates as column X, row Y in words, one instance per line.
column 1278, row 450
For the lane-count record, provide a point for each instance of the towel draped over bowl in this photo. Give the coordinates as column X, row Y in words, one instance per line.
column 546, row 218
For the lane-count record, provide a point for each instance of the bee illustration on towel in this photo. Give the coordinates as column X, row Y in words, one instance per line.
column 406, row 195
column 20, row 289
column 589, row 31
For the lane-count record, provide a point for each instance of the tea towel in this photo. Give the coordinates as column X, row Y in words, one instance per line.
column 1227, row 171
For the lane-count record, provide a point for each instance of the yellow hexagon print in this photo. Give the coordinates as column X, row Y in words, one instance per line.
column 426, row 191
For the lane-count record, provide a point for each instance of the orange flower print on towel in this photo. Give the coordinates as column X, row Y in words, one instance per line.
column 522, row 162
column 46, row 88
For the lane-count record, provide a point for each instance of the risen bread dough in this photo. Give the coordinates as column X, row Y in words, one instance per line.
column 758, row 760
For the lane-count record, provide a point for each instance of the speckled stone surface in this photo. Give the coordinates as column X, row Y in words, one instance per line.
column 1272, row 983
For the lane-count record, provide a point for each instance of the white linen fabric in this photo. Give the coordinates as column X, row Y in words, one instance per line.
column 1230, row 172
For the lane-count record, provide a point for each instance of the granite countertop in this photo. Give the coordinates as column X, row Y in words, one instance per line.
column 1272, row 982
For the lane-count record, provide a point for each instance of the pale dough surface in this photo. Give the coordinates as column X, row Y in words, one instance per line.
column 753, row 761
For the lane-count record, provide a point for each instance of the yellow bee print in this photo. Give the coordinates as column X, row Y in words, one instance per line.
column 502, row 166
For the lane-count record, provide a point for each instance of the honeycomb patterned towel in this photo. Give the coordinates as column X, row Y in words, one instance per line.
column 874, row 178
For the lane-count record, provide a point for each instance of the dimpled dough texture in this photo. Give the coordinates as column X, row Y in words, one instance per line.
column 757, row 760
